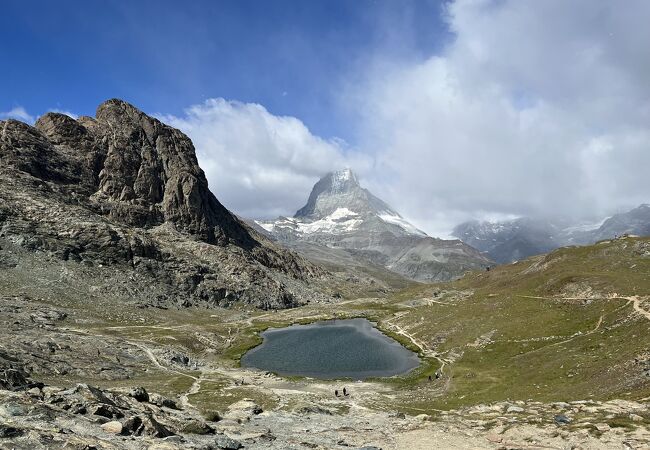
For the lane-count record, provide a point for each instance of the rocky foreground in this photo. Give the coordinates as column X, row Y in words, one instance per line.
column 34, row 416
column 45, row 351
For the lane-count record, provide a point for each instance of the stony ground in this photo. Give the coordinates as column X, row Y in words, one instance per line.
column 86, row 417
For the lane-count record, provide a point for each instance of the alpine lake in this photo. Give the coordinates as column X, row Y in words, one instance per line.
column 331, row 349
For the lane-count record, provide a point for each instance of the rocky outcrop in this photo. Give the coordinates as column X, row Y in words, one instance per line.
column 126, row 190
column 85, row 414
column 140, row 171
column 89, row 417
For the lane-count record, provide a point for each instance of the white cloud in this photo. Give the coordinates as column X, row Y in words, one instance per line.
column 259, row 164
column 534, row 108
column 18, row 113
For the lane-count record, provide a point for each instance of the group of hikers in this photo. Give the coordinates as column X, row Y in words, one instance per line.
column 438, row 373
column 345, row 392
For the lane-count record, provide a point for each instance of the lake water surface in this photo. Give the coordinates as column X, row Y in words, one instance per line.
column 351, row 348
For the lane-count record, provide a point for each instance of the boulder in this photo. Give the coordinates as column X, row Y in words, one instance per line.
column 13, row 379
column 8, row 432
column 155, row 429
column 35, row 392
column 12, row 410
column 223, row 442
column 194, row 426
column 561, row 419
column 161, row 401
column 514, row 409
column 602, row 427
column 107, row 411
column 132, row 426
column 113, row 427
column 140, row 394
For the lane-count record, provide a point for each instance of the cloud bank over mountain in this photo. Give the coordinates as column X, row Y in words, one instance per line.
column 534, row 108
column 261, row 165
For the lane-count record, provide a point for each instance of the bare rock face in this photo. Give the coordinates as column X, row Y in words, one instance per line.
column 152, row 174
column 23, row 148
column 125, row 189
column 142, row 172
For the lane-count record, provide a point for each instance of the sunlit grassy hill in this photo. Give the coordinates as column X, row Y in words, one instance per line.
column 569, row 325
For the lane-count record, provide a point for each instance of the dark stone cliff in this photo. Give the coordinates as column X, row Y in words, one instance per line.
column 125, row 189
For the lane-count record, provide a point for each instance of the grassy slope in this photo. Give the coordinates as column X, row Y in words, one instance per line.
column 531, row 312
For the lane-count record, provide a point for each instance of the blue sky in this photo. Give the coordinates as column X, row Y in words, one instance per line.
column 290, row 56
column 449, row 111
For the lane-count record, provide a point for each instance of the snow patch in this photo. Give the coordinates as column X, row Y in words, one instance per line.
column 400, row 222
column 341, row 220
column 267, row 226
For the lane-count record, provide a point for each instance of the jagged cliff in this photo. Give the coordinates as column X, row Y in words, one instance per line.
column 125, row 190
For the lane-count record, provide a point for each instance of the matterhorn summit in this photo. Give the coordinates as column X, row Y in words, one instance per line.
column 341, row 214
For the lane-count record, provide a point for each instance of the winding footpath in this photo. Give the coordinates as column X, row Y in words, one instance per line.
column 636, row 302
column 634, row 299
column 424, row 350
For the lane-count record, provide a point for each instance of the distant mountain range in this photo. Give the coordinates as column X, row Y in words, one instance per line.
column 340, row 215
column 512, row 240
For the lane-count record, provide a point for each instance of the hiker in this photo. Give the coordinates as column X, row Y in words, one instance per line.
column 429, row 377
column 336, row 392
column 487, row 269
column 345, row 392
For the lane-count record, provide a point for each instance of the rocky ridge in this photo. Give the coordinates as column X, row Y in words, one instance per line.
column 342, row 215
column 125, row 190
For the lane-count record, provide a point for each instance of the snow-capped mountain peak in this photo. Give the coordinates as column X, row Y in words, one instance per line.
column 338, row 204
column 342, row 215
